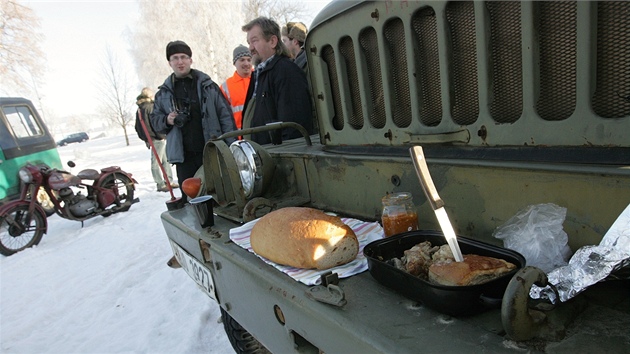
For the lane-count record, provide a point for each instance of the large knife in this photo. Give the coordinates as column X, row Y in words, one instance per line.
column 422, row 170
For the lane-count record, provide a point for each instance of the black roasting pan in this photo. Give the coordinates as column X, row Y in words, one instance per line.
column 451, row 300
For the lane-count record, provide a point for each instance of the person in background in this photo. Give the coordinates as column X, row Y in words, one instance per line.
column 296, row 36
column 235, row 87
column 285, row 38
column 191, row 110
column 145, row 108
column 278, row 90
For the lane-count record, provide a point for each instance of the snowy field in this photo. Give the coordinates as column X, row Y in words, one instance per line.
column 105, row 287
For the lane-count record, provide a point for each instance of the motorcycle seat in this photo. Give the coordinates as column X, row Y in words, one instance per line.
column 89, row 173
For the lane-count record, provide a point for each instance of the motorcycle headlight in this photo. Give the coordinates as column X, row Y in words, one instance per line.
column 249, row 167
column 25, row 175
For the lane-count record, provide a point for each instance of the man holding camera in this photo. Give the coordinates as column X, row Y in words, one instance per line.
column 190, row 109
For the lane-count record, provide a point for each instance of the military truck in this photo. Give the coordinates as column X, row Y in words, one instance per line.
column 515, row 103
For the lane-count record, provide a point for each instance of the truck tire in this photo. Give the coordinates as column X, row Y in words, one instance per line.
column 242, row 341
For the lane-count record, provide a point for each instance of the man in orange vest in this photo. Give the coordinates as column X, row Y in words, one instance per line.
column 235, row 87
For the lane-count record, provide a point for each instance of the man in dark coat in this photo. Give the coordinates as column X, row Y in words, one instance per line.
column 278, row 90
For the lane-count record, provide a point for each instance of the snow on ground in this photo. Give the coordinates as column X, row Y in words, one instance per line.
column 105, row 287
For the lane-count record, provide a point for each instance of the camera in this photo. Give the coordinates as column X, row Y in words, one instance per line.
column 183, row 116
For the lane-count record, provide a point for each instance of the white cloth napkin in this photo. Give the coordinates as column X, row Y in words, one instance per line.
column 366, row 232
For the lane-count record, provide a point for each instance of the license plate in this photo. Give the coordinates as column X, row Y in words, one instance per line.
column 200, row 274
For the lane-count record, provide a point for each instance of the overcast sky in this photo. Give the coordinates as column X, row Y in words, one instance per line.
column 76, row 34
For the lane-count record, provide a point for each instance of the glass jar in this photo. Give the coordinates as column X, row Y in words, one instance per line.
column 399, row 213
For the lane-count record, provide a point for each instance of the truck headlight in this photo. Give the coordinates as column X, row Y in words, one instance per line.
column 236, row 175
column 249, row 167
column 25, row 175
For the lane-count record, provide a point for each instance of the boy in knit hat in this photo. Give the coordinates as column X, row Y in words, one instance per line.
column 235, row 87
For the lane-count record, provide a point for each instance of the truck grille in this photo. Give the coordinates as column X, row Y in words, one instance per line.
column 427, row 67
column 557, row 24
column 477, row 73
column 369, row 51
column 613, row 58
column 465, row 99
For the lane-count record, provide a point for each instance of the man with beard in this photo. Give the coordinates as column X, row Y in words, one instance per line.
column 278, row 90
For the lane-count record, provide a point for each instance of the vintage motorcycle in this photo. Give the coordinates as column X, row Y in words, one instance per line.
column 23, row 221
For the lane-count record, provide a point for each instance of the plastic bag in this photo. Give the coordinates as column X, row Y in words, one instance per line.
column 536, row 233
column 591, row 264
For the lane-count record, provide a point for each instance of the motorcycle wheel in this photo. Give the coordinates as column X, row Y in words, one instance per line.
column 16, row 234
column 242, row 341
column 44, row 200
column 125, row 191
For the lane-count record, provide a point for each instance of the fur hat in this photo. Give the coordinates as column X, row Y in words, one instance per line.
column 146, row 95
column 175, row 47
column 240, row 51
column 297, row 30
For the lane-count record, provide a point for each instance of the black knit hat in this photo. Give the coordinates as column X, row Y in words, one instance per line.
column 175, row 47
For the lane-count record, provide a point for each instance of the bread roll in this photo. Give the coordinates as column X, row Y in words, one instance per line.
column 304, row 238
column 473, row 270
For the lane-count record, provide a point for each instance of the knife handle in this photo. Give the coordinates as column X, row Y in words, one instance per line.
column 422, row 170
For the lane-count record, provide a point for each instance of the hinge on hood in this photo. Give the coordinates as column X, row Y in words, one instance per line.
column 329, row 292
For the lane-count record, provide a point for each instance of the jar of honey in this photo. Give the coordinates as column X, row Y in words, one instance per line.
column 399, row 213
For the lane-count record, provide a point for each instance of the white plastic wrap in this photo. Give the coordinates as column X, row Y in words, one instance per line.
column 590, row 264
column 536, row 233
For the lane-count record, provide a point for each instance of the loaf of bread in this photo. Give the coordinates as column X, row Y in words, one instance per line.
column 473, row 270
column 304, row 238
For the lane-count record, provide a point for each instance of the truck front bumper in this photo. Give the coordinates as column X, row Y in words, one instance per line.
column 278, row 312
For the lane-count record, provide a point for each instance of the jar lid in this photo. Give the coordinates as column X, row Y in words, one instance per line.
column 399, row 197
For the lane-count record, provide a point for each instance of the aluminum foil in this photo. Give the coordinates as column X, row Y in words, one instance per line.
column 590, row 264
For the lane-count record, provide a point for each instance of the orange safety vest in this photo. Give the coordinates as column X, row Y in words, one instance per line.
column 235, row 90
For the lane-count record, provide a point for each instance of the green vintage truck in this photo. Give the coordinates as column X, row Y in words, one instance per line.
column 24, row 138
column 515, row 103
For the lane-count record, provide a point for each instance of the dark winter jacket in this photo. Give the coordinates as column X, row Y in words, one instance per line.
column 300, row 60
column 145, row 107
column 216, row 114
column 282, row 95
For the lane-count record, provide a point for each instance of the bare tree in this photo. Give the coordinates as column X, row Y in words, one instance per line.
column 211, row 29
column 116, row 92
column 20, row 53
column 282, row 11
